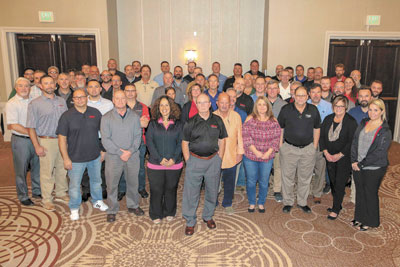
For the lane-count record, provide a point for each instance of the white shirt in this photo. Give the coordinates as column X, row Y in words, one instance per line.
column 17, row 111
column 284, row 92
column 35, row 92
column 103, row 105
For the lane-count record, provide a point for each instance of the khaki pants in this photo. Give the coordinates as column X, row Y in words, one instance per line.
column 294, row 159
column 52, row 171
column 277, row 177
column 318, row 181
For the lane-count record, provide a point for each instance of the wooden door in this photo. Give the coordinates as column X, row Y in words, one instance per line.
column 76, row 50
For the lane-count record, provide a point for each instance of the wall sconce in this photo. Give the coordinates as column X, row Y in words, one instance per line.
column 190, row 56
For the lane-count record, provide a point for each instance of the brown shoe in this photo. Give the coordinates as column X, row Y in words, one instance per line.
column 64, row 198
column 210, row 224
column 138, row 211
column 49, row 206
column 189, row 230
column 317, row 200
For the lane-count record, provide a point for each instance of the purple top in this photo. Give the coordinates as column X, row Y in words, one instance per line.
column 263, row 135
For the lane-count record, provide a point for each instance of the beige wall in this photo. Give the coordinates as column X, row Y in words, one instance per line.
column 68, row 14
column 296, row 29
column 228, row 31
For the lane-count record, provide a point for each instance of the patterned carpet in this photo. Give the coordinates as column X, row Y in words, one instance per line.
column 34, row 237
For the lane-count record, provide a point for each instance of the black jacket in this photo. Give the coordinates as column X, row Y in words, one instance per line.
column 377, row 154
column 163, row 143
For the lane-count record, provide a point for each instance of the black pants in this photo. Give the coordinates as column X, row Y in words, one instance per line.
column 85, row 180
column 367, row 184
column 339, row 173
column 163, row 187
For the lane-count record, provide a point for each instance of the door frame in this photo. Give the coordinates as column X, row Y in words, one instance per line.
column 9, row 53
column 364, row 35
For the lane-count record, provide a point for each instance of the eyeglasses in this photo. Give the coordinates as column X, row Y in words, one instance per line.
column 79, row 97
column 337, row 106
column 53, row 72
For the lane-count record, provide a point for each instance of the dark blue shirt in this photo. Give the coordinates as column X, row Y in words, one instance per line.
column 213, row 100
column 358, row 114
column 242, row 113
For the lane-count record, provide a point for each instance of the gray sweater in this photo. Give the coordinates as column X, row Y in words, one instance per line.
column 118, row 132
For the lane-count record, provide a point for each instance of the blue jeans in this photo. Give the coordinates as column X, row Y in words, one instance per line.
column 228, row 177
column 75, row 178
column 241, row 181
column 257, row 171
column 142, row 172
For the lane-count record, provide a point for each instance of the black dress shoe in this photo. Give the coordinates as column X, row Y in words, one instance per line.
column 251, row 210
column 189, row 230
column 210, row 224
column 120, row 195
column 143, row 193
column 354, row 223
column 138, row 211
column 111, row 218
column 85, row 197
column 329, row 210
column 37, row 196
column 104, row 194
column 287, row 209
column 27, row 202
column 305, row 208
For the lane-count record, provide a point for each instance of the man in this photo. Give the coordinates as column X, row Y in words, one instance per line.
column 190, row 76
column 116, row 84
column 377, row 88
column 28, row 74
column 243, row 101
column 103, row 105
column 64, row 89
column 213, row 92
column 318, row 73
column 35, row 89
column 80, row 81
column 203, row 147
column 233, row 148
column 145, row 87
column 254, row 68
column 168, row 81
column 338, row 89
column 105, row 81
column 360, row 112
column 21, row 146
column 326, row 93
column 216, row 70
column 300, row 122
column 300, row 74
column 277, row 103
column 356, row 75
column 121, row 135
column 164, row 69
column 284, row 85
column 136, row 68
column 260, row 89
column 43, row 115
column 278, row 70
column 78, row 139
column 291, row 73
column 130, row 75
column 53, row 72
column 325, row 109
column 339, row 77
column 94, row 73
column 237, row 73
column 112, row 68
column 178, row 78
column 85, row 68
column 199, row 78
column 310, row 74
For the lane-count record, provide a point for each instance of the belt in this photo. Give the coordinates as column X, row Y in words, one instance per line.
column 205, row 158
column 47, row 137
column 299, row 146
column 26, row 137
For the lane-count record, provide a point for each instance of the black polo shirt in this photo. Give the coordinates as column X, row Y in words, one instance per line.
column 203, row 135
column 82, row 132
column 299, row 127
column 107, row 94
column 245, row 103
column 259, row 73
column 228, row 83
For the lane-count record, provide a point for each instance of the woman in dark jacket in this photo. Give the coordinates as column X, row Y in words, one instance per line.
column 337, row 132
column 164, row 137
column 190, row 108
column 369, row 157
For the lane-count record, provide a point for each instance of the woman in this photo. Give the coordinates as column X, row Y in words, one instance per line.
column 369, row 160
column 171, row 93
column 190, row 108
column 248, row 83
column 261, row 136
column 165, row 164
column 337, row 132
column 350, row 89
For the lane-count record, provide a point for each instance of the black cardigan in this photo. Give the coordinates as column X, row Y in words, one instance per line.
column 377, row 154
column 164, row 143
column 343, row 143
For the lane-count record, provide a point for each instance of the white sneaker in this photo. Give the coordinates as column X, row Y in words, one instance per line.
column 74, row 215
column 100, row 205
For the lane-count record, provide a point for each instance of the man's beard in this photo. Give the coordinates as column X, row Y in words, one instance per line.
column 178, row 77
column 364, row 103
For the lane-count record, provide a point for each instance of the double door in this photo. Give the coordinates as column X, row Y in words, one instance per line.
column 40, row 51
column 376, row 60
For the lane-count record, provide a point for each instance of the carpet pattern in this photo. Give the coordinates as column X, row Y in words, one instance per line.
column 31, row 236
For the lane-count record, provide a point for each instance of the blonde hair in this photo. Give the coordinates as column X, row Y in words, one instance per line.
column 255, row 114
column 381, row 105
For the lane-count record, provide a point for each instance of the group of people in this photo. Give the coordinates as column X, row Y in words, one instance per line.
column 311, row 133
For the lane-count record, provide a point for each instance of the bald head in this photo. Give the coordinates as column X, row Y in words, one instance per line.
column 223, row 103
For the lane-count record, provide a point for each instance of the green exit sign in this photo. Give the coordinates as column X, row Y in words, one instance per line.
column 46, row 16
column 374, row 20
